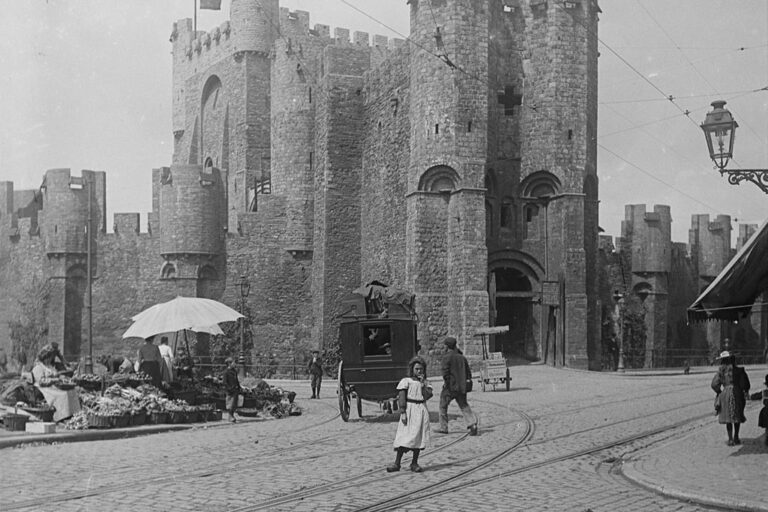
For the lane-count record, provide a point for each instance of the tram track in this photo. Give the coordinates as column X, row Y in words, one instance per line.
column 227, row 467
column 436, row 488
column 125, row 472
column 367, row 477
column 488, row 460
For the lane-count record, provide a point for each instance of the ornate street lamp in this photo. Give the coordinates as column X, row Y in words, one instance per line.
column 720, row 131
column 618, row 315
column 245, row 289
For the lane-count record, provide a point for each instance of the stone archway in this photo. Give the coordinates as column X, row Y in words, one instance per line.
column 513, row 293
column 514, row 281
column 75, row 287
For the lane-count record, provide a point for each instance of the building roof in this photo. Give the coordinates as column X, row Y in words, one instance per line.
column 733, row 292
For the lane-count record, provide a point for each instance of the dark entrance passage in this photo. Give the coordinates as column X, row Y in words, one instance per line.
column 513, row 306
column 74, row 306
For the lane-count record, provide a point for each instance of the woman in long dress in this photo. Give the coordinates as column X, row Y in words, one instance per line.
column 66, row 401
column 167, row 353
column 731, row 384
column 413, row 428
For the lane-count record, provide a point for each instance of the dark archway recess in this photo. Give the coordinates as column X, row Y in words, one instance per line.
column 74, row 306
column 514, row 307
column 207, row 282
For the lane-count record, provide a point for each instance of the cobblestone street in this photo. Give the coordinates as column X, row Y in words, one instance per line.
column 553, row 442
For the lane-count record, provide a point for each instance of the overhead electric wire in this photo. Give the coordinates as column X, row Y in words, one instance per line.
column 706, row 81
column 657, row 178
column 652, row 100
column 683, row 111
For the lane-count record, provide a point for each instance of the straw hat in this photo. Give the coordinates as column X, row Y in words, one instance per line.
column 724, row 354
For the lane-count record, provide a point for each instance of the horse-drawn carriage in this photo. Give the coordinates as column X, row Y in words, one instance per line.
column 378, row 338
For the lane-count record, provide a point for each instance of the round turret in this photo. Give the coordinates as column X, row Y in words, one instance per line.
column 191, row 209
column 65, row 210
column 254, row 24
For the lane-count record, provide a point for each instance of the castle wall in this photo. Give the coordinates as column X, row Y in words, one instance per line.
column 385, row 165
column 336, row 160
column 336, row 256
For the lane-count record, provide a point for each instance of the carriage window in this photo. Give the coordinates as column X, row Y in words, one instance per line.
column 377, row 340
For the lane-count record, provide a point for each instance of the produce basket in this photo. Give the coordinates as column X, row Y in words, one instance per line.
column 158, row 418
column 178, row 417
column 139, row 418
column 98, row 421
column 45, row 413
column 214, row 415
column 187, row 396
column 120, row 421
column 248, row 412
column 15, row 422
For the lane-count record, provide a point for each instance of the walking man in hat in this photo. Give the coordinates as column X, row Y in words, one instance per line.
column 315, row 368
column 456, row 373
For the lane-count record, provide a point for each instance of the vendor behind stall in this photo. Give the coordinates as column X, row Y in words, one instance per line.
column 65, row 401
column 116, row 364
column 150, row 360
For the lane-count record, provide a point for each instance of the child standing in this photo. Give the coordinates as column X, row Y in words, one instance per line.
column 413, row 427
column 762, row 419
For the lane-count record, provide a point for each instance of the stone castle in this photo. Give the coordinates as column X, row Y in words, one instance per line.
column 460, row 165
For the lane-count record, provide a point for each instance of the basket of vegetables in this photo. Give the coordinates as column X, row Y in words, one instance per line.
column 98, row 420
column 158, row 417
column 43, row 411
column 15, row 422
column 120, row 420
column 138, row 417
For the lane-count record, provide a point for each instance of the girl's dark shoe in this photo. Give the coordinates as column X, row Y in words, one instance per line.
column 393, row 467
column 736, row 440
column 730, row 442
column 416, row 468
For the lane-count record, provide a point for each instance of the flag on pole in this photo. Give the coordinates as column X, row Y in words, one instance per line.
column 213, row 5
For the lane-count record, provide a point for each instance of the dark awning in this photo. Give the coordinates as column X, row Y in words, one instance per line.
column 733, row 292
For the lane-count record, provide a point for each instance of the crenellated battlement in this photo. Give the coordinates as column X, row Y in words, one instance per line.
column 296, row 24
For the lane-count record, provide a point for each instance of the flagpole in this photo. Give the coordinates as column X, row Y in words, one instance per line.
column 195, row 25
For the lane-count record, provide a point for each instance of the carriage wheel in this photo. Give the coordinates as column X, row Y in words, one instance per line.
column 343, row 396
column 359, row 406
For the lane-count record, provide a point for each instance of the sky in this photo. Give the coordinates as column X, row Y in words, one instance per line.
column 87, row 85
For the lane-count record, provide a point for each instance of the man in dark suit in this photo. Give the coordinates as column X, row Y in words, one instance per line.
column 315, row 368
column 456, row 373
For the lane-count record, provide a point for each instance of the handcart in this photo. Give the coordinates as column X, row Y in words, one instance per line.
column 493, row 369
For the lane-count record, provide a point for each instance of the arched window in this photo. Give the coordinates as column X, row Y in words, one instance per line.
column 488, row 220
column 507, row 213
column 168, row 271
column 539, row 185
column 438, row 179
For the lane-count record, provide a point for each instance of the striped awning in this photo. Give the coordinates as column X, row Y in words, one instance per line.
column 733, row 292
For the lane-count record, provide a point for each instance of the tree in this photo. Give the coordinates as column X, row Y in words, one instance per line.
column 29, row 330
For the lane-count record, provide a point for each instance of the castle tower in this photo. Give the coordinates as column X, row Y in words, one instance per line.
column 221, row 98
column 710, row 246
column 68, row 201
column 192, row 229
column 295, row 92
column 558, row 188
column 649, row 242
column 446, row 256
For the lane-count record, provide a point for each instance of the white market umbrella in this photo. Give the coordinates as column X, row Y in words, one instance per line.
column 181, row 314
column 210, row 329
